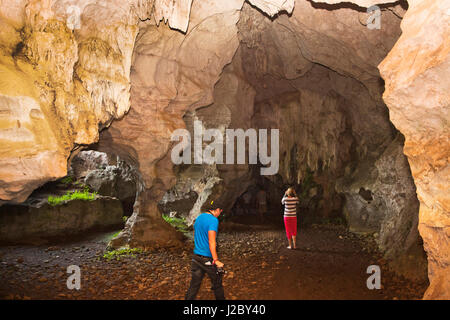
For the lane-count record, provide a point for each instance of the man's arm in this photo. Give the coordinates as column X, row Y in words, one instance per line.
column 212, row 247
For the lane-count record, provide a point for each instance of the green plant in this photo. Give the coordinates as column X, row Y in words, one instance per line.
column 177, row 223
column 118, row 253
column 86, row 188
column 82, row 185
column 115, row 234
column 72, row 195
column 125, row 218
column 67, row 180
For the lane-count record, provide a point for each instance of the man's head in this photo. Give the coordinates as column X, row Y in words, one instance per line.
column 213, row 207
column 216, row 212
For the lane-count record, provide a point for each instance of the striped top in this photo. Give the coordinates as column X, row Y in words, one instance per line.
column 290, row 206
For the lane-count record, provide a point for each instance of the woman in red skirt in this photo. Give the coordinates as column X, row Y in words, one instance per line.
column 290, row 202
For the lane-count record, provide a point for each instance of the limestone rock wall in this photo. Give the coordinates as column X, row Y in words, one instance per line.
column 416, row 72
column 112, row 177
column 65, row 69
column 65, row 74
column 169, row 80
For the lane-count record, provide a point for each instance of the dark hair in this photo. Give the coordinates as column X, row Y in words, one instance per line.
column 211, row 205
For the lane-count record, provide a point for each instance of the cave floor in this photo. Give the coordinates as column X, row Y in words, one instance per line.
column 330, row 263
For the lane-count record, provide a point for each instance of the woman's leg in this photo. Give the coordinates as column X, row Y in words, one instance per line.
column 294, row 232
column 288, row 233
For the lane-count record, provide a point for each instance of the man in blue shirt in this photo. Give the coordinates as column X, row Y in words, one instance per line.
column 205, row 259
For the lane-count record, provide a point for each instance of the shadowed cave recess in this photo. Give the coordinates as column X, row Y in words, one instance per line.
column 104, row 117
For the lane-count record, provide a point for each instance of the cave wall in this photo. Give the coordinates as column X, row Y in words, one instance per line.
column 417, row 94
column 60, row 84
column 416, row 81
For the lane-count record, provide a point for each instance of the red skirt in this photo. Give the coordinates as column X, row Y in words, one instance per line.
column 290, row 223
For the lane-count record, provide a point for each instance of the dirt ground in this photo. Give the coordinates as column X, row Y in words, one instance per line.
column 330, row 263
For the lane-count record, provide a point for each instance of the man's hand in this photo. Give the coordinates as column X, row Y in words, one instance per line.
column 219, row 264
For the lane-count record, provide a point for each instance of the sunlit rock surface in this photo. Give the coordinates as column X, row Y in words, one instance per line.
column 69, row 72
column 362, row 3
column 417, row 93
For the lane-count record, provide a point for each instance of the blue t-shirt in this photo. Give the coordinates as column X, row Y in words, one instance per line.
column 204, row 223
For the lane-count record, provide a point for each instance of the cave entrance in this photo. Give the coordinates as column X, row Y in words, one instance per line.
column 259, row 204
column 337, row 146
column 106, row 174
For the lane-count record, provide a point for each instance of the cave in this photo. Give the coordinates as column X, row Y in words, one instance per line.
column 361, row 113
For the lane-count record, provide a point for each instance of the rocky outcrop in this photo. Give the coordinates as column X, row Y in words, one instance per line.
column 381, row 198
column 86, row 161
column 417, row 93
column 115, row 180
column 107, row 175
column 34, row 223
column 65, row 73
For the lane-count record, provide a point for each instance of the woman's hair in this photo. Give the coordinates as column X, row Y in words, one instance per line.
column 291, row 192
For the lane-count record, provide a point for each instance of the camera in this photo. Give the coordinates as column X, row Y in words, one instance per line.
column 220, row 271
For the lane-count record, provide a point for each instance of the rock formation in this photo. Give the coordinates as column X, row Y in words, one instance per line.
column 37, row 222
column 62, row 80
column 417, row 93
column 112, row 178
